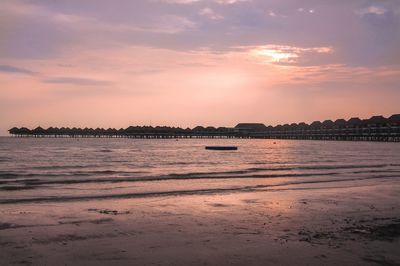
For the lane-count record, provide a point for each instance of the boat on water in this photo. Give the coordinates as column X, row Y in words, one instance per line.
column 222, row 148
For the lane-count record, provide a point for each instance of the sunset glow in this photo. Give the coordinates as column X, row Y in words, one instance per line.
column 199, row 132
column 184, row 63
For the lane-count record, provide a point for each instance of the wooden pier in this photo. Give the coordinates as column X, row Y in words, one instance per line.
column 376, row 128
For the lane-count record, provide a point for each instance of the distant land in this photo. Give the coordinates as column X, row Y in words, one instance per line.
column 376, row 128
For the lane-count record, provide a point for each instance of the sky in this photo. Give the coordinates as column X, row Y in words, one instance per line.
column 115, row 63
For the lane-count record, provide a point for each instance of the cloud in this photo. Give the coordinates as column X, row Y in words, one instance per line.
column 185, row 2
column 180, row 1
column 230, row 2
column 77, row 81
column 372, row 10
column 365, row 34
column 16, row 70
column 210, row 13
column 302, row 10
column 166, row 24
column 172, row 24
column 284, row 54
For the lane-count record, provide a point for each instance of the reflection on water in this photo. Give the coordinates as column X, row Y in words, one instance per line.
column 66, row 169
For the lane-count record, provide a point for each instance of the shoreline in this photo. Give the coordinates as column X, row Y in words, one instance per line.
column 253, row 185
column 355, row 225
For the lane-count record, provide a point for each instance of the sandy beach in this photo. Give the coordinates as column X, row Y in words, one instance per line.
column 309, row 224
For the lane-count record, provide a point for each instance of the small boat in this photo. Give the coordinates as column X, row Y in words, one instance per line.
column 222, row 148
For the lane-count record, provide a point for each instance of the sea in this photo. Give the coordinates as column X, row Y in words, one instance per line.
column 36, row 170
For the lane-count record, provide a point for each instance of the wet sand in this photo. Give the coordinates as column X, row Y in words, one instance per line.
column 309, row 224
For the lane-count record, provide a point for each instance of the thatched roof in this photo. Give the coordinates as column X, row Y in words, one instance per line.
column 241, row 128
column 198, row 128
column 394, row 118
column 377, row 120
column 38, row 130
column 340, row 123
column 302, row 125
column 316, row 124
column 327, row 123
column 354, row 121
column 251, row 126
column 14, row 130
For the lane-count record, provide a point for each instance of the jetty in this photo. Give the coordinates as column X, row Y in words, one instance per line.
column 376, row 128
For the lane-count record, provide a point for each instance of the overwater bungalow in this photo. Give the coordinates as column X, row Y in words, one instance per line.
column 377, row 128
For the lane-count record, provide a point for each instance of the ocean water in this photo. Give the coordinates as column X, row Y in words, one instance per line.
column 63, row 169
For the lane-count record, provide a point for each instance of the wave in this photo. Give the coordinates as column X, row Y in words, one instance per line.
column 8, row 181
column 41, row 182
column 8, row 174
column 54, row 167
column 16, row 175
column 12, row 174
column 107, row 172
column 287, row 168
column 114, row 176
column 322, row 167
column 166, row 178
column 105, row 150
column 261, row 188
column 17, row 188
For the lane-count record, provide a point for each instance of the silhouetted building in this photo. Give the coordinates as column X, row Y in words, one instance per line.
column 376, row 128
column 250, row 127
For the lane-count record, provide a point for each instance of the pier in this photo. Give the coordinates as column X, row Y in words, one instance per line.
column 376, row 128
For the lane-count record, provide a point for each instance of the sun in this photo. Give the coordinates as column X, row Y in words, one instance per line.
column 273, row 54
